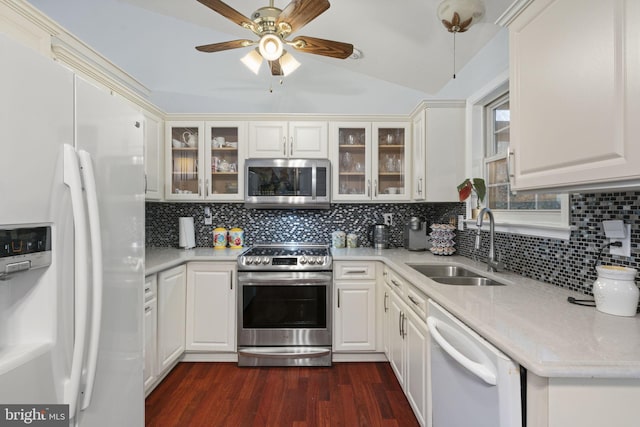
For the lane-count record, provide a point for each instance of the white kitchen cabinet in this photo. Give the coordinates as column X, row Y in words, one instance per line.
column 150, row 348
column 280, row 139
column 354, row 319
column 437, row 150
column 407, row 339
column 172, row 286
column 370, row 161
column 204, row 160
column 153, row 155
column 575, row 95
column 211, row 307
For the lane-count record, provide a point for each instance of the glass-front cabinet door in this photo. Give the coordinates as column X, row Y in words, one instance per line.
column 183, row 162
column 351, row 161
column 390, row 168
column 225, row 142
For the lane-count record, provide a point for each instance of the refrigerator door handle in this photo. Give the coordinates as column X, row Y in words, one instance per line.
column 71, row 178
column 97, row 286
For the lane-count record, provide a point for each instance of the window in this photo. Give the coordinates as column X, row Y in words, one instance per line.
column 524, row 213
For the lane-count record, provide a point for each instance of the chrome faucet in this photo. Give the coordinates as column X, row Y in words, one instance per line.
column 493, row 262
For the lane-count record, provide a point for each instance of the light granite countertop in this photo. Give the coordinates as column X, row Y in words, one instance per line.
column 528, row 320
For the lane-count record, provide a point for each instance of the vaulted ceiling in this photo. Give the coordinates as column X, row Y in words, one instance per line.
column 407, row 54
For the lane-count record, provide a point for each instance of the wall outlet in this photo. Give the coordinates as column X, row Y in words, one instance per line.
column 461, row 222
column 625, row 249
column 388, row 219
column 208, row 220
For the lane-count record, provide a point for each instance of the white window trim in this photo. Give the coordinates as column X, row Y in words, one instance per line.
column 553, row 225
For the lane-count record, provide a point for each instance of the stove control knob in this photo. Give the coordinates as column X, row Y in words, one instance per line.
column 247, row 260
column 303, row 260
column 319, row 260
column 265, row 260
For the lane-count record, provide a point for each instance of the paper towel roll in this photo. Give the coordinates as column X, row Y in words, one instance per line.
column 187, row 233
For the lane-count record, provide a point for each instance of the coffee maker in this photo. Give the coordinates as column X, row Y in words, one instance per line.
column 415, row 236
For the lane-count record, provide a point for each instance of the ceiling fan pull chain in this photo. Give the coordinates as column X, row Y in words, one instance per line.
column 454, row 54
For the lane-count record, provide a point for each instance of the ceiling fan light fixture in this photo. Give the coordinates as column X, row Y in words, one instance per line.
column 288, row 63
column 468, row 13
column 252, row 61
column 271, row 47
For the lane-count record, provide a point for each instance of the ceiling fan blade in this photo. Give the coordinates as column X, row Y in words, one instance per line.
column 322, row 47
column 229, row 13
column 217, row 47
column 276, row 69
column 299, row 13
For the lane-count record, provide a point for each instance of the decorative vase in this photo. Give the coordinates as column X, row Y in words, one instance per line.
column 615, row 290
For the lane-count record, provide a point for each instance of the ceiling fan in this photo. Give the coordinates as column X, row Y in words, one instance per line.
column 273, row 26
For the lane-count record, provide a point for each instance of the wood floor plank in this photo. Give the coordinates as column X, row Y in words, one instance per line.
column 222, row 394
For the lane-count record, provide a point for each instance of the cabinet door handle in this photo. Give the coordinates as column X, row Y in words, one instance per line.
column 375, row 188
column 206, row 188
column 386, row 307
column 231, row 281
column 199, row 187
column 403, row 332
column 291, row 147
column 145, row 183
column 284, row 146
column 368, row 188
column 338, row 298
column 510, row 168
column 420, row 186
column 400, row 323
column 147, row 309
column 413, row 300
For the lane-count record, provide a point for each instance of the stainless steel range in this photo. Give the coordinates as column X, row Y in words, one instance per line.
column 284, row 305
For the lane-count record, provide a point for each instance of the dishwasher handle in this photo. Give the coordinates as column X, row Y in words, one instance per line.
column 485, row 373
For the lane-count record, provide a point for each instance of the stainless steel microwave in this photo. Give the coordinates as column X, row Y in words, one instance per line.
column 287, row 183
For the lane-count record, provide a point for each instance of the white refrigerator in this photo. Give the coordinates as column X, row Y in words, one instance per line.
column 71, row 160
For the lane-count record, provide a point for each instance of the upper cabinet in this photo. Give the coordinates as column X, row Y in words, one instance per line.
column 153, row 137
column 437, row 150
column 204, row 160
column 575, row 95
column 272, row 139
column 369, row 161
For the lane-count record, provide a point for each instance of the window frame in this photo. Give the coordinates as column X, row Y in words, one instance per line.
column 551, row 224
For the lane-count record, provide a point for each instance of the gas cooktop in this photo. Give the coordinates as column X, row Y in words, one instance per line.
column 290, row 256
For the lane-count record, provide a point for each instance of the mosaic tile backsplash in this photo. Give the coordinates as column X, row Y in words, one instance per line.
column 266, row 225
column 563, row 263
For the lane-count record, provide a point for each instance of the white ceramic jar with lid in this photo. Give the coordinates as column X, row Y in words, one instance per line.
column 615, row 290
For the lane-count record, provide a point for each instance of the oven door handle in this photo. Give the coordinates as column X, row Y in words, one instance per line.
column 286, row 352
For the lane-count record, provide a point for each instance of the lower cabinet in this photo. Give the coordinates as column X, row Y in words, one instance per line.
column 354, row 299
column 150, row 348
column 172, row 285
column 211, row 307
column 406, row 342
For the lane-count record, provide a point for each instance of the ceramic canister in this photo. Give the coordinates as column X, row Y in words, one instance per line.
column 352, row 240
column 338, row 239
column 236, row 238
column 219, row 238
column 615, row 290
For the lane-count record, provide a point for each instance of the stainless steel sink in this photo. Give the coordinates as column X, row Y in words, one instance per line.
column 466, row 281
column 453, row 275
column 442, row 270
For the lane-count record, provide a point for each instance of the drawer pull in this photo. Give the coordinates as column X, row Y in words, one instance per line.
column 347, row 271
column 413, row 300
column 395, row 283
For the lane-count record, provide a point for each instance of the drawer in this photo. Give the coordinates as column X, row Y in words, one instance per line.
column 354, row 270
column 396, row 282
column 417, row 301
column 150, row 287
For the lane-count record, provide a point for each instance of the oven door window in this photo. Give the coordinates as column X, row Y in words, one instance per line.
column 290, row 307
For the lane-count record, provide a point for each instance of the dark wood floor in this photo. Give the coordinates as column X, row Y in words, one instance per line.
column 221, row 394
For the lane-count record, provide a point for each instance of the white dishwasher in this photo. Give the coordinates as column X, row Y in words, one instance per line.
column 472, row 382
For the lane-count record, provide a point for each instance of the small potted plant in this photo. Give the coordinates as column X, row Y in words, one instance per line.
column 475, row 185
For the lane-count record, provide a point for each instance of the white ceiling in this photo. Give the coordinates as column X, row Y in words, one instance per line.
column 407, row 54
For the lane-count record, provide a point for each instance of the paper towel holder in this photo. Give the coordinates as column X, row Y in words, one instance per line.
column 186, row 233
